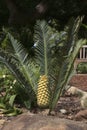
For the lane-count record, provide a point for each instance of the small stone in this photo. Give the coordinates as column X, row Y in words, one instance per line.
column 70, row 117
column 63, row 111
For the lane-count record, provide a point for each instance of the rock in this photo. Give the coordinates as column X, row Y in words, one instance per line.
column 42, row 122
column 81, row 94
column 2, row 121
column 63, row 111
column 82, row 115
column 83, row 101
column 76, row 91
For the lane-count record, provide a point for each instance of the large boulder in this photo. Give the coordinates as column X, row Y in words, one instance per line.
column 29, row 121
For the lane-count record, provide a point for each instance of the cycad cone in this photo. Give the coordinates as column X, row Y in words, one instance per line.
column 43, row 92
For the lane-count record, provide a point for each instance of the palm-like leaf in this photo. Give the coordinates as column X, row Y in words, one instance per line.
column 28, row 66
column 73, row 30
column 9, row 61
column 67, row 66
column 44, row 43
column 42, row 46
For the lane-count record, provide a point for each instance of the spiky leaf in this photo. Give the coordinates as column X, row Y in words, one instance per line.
column 42, row 48
column 67, row 66
column 8, row 60
column 29, row 68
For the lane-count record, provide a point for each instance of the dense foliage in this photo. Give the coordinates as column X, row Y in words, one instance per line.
column 82, row 68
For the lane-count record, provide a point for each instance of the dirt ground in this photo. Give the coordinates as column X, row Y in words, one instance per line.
column 68, row 106
column 79, row 81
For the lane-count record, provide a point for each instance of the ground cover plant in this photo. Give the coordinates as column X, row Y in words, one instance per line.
column 45, row 75
column 82, row 68
column 8, row 92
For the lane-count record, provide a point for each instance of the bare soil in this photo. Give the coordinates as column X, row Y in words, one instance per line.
column 79, row 81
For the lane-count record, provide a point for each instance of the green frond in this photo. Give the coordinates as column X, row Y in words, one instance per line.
column 65, row 72
column 10, row 62
column 68, row 63
column 42, row 48
column 72, row 32
column 27, row 64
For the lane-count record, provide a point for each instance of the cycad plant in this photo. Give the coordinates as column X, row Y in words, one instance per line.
column 45, row 76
